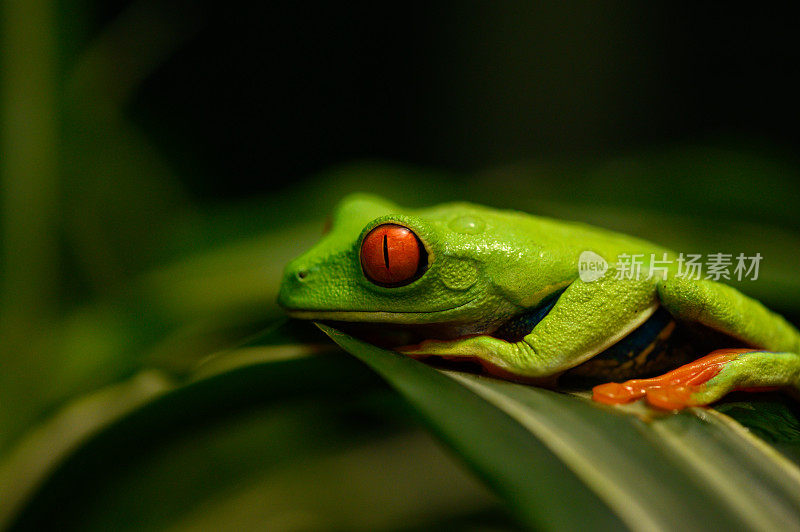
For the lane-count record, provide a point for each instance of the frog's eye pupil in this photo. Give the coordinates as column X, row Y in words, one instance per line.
column 392, row 255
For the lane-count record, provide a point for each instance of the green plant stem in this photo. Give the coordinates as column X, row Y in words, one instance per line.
column 28, row 164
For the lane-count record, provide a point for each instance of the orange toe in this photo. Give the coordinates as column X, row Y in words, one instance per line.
column 671, row 397
column 613, row 393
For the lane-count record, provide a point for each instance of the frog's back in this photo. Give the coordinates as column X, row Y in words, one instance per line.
column 540, row 231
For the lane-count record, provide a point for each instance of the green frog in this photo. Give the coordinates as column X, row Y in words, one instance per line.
column 533, row 299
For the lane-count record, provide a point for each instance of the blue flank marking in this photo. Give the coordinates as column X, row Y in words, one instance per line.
column 517, row 328
column 639, row 339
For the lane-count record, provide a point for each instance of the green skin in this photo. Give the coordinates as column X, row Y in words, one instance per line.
column 486, row 266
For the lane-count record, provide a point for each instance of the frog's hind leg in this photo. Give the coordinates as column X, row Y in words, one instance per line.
column 708, row 379
column 725, row 309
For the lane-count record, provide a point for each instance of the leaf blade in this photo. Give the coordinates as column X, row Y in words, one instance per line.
column 504, row 462
column 671, row 471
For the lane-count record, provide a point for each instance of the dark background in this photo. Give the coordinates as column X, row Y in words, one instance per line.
column 265, row 93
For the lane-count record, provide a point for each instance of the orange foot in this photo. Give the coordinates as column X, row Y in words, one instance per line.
column 673, row 390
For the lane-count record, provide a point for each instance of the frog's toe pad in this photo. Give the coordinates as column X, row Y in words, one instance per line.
column 666, row 395
column 675, row 390
column 617, row 393
column 675, row 397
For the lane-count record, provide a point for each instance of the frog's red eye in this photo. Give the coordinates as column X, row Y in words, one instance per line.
column 392, row 255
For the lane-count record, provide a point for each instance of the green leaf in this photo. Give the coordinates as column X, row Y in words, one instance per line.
column 649, row 470
column 524, row 471
column 256, row 438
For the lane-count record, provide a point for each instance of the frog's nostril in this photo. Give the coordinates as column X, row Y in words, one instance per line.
column 302, row 274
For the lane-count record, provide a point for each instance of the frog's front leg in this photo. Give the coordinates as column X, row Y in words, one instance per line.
column 708, row 379
column 587, row 318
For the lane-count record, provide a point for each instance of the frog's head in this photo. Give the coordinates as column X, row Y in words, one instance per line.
column 381, row 264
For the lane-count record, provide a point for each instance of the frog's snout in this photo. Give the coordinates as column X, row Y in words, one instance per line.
column 300, row 276
column 297, row 279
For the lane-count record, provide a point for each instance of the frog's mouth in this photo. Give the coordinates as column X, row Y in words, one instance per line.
column 385, row 317
column 394, row 329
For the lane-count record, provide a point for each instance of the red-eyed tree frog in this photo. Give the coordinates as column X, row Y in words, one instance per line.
column 507, row 290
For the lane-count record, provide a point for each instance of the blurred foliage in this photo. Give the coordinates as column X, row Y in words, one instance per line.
column 125, row 283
